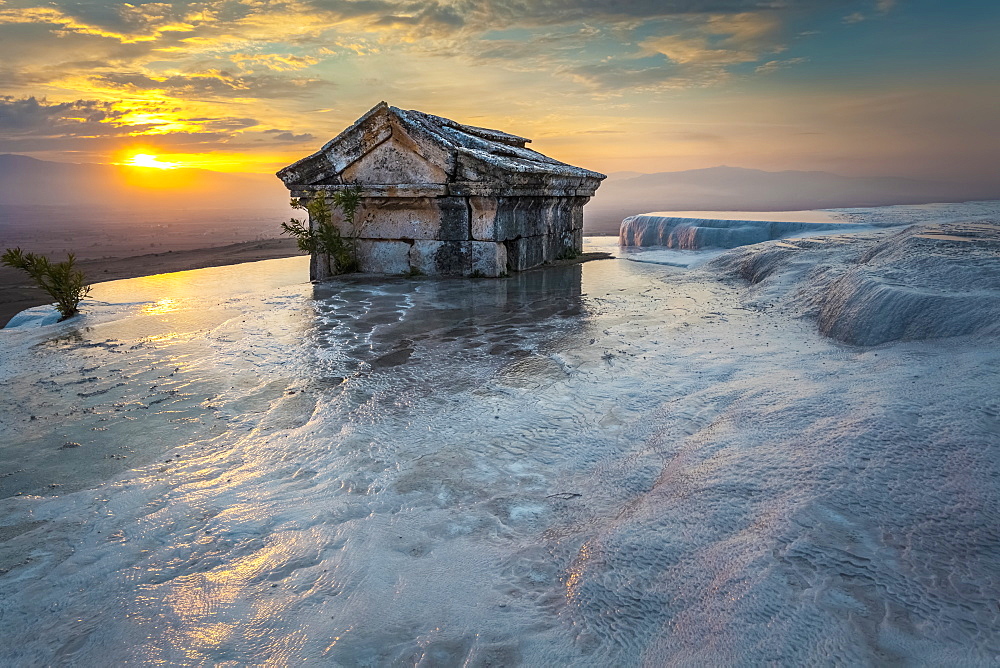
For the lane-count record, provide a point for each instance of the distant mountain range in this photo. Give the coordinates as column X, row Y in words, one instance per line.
column 738, row 189
column 26, row 181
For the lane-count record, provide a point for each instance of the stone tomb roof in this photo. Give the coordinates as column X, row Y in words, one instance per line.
column 391, row 152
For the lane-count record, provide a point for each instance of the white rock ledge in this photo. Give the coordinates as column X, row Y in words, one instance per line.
column 693, row 233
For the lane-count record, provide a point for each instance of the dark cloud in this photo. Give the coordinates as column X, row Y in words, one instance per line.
column 107, row 15
column 168, row 22
column 349, row 9
column 136, row 17
column 122, row 38
column 34, row 124
column 222, row 124
column 178, row 141
column 147, row 17
column 13, row 79
column 430, row 14
column 31, row 124
column 33, row 54
column 30, row 115
column 561, row 11
column 216, row 84
column 288, row 135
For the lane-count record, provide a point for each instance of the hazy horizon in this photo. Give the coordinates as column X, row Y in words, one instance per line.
column 116, row 200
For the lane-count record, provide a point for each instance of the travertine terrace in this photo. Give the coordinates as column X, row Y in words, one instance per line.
column 442, row 198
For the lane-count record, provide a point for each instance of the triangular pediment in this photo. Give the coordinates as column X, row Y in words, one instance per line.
column 379, row 148
column 389, row 145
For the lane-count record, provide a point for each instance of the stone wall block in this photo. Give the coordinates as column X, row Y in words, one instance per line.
column 534, row 215
column 384, row 257
column 422, row 256
column 484, row 218
column 452, row 258
column 507, row 218
column 526, row 252
column 488, row 258
column 440, row 218
column 576, row 212
column 458, row 258
column 441, row 258
column 454, row 217
column 562, row 244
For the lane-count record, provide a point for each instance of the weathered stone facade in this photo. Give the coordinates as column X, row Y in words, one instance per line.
column 442, row 198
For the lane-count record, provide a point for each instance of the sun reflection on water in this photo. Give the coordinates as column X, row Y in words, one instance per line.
column 574, row 577
column 213, row 607
column 162, row 306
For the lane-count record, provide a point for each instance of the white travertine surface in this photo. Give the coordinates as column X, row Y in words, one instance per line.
column 604, row 464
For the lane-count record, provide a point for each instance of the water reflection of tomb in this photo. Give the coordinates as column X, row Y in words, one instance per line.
column 379, row 322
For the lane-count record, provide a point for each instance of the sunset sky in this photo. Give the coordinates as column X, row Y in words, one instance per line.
column 856, row 87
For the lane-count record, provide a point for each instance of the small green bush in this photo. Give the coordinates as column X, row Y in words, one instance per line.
column 348, row 202
column 60, row 280
column 324, row 238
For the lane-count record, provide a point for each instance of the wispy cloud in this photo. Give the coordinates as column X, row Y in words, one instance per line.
column 272, row 61
column 702, row 53
column 773, row 66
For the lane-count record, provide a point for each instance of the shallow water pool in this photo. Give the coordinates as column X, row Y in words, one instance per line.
column 603, row 464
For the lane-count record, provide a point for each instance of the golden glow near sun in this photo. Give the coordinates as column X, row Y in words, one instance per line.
column 216, row 161
column 146, row 160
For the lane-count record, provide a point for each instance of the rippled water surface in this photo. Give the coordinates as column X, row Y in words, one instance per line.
column 612, row 463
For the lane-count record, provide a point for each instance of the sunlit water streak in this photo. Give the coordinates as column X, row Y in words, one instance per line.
column 606, row 464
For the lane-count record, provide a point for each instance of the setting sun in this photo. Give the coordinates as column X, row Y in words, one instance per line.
column 146, row 160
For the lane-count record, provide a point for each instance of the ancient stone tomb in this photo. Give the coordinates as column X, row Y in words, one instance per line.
column 442, row 198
